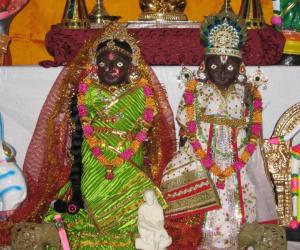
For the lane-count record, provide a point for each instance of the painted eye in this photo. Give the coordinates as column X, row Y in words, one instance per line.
column 230, row 68
column 213, row 66
column 101, row 64
column 120, row 64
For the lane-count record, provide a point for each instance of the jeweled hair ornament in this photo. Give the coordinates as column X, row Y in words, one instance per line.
column 116, row 31
column 223, row 34
column 111, row 46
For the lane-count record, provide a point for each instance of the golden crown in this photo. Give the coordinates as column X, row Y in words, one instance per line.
column 223, row 34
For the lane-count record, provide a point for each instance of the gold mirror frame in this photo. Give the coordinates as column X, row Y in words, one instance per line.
column 277, row 158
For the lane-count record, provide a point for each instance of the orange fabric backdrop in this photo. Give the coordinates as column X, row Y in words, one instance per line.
column 29, row 27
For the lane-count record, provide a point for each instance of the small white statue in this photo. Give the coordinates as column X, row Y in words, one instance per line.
column 13, row 189
column 153, row 235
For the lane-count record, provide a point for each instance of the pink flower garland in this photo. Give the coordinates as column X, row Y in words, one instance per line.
column 205, row 158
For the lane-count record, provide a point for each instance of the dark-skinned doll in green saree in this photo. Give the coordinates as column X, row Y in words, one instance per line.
column 121, row 138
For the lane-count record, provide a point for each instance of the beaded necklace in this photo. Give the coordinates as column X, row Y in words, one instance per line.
column 205, row 158
column 89, row 131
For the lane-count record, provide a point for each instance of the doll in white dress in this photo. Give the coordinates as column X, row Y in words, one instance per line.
column 216, row 179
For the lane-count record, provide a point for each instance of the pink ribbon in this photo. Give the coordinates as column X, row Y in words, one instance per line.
column 62, row 232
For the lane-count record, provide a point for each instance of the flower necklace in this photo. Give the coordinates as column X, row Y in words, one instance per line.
column 205, row 158
column 89, row 131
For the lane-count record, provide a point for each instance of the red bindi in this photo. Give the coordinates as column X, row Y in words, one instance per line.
column 111, row 56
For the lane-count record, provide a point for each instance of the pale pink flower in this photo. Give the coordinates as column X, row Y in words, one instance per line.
column 148, row 91
column 141, row 136
column 148, row 115
column 188, row 97
column 82, row 110
column 127, row 154
column 192, row 126
column 88, row 130
column 82, row 88
column 96, row 151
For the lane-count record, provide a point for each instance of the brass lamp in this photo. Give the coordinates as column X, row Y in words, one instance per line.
column 162, row 10
column 227, row 7
column 252, row 14
column 75, row 15
column 99, row 14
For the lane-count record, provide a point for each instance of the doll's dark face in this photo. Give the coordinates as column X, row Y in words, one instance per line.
column 222, row 70
column 113, row 67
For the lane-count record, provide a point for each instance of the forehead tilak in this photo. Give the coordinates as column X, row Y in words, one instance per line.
column 111, row 55
column 223, row 59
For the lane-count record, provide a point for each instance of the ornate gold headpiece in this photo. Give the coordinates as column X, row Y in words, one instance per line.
column 111, row 46
column 116, row 31
column 223, row 34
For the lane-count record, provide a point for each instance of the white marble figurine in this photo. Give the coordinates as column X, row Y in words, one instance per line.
column 153, row 235
column 13, row 189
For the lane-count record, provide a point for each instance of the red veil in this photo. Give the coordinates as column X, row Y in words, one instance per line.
column 47, row 165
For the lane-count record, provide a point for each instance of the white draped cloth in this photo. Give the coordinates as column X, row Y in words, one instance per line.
column 221, row 226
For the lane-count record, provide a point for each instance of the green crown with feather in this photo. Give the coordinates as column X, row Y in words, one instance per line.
column 223, row 34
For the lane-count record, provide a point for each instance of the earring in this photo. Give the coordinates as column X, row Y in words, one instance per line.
column 201, row 72
column 259, row 79
column 184, row 76
column 94, row 72
column 242, row 74
column 134, row 75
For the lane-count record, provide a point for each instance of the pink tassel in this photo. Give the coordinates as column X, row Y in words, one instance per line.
column 294, row 224
column 62, row 232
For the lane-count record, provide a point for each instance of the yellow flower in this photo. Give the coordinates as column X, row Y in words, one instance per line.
column 150, row 102
column 117, row 161
column 228, row 171
column 103, row 160
column 135, row 145
column 80, row 99
column 257, row 117
column 191, row 85
column 216, row 170
column 256, row 93
column 190, row 112
column 200, row 153
column 143, row 82
column 88, row 81
column 245, row 156
column 92, row 141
